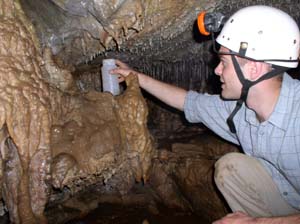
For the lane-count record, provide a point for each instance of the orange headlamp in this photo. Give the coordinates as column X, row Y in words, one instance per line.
column 210, row 22
column 201, row 24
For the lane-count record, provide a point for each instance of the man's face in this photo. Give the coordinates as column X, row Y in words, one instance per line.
column 231, row 86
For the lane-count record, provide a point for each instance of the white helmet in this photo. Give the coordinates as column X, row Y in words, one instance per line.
column 262, row 33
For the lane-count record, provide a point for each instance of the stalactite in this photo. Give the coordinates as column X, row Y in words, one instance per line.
column 188, row 74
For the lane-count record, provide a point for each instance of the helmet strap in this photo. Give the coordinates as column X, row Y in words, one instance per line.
column 246, row 84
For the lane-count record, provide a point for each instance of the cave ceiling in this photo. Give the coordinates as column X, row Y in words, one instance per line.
column 85, row 31
column 79, row 31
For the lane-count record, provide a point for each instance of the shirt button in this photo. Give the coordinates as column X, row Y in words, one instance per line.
column 285, row 193
column 261, row 132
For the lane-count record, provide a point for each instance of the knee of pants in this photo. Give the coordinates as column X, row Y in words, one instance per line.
column 225, row 166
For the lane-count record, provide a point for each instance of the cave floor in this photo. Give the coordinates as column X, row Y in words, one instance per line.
column 116, row 214
column 107, row 213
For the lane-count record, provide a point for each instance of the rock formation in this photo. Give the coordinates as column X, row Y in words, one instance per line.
column 53, row 136
column 80, row 30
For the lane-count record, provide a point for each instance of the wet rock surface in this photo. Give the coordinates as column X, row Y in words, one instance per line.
column 53, row 136
column 25, row 120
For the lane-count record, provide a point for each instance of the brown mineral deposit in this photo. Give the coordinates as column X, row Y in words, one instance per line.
column 24, row 117
column 46, row 127
column 132, row 112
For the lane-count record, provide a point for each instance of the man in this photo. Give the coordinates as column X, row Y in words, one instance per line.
column 259, row 109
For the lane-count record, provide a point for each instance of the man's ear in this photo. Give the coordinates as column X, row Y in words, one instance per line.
column 252, row 70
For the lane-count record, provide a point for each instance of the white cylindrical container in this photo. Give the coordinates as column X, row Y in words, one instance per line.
column 110, row 82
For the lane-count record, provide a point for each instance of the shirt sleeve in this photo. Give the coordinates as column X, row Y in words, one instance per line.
column 210, row 110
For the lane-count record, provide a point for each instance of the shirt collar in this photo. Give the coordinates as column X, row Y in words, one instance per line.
column 282, row 108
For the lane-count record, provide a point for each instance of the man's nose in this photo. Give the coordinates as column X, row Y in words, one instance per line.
column 218, row 69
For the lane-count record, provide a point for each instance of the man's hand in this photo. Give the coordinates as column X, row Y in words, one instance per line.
column 123, row 70
column 242, row 218
column 236, row 218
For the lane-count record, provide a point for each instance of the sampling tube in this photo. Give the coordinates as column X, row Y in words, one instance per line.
column 110, row 82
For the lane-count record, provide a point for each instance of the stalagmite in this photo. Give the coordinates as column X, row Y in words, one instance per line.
column 132, row 113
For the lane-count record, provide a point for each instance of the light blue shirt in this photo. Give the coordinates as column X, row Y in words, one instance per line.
column 275, row 142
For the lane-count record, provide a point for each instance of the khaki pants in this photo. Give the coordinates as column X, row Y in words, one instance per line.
column 248, row 187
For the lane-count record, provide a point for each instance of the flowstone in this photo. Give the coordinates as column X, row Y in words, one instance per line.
column 53, row 136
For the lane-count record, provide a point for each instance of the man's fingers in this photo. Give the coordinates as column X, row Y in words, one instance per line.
column 121, row 64
column 121, row 79
column 120, row 71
